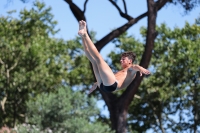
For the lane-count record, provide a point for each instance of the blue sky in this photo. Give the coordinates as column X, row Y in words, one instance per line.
column 102, row 17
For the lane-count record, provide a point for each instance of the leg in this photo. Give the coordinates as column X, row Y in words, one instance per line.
column 104, row 70
column 94, row 66
column 88, row 43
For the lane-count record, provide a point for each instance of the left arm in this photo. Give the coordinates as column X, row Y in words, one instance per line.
column 140, row 69
column 93, row 88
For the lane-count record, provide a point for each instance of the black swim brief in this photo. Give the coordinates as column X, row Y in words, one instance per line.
column 110, row 88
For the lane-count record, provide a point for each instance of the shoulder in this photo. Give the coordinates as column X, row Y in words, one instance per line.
column 131, row 71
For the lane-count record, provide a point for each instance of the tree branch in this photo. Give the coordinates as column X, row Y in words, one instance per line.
column 157, row 115
column 11, row 68
column 1, row 61
column 124, row 15
column 3, row 103
column 125, row 9
column 79, row 15
column 195, row 109
column 109, row 98
column 85, row 6
column 116, row 33
column 161, row 3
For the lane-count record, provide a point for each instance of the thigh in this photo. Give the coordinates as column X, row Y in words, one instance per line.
column 96, row 73
column 105, row 72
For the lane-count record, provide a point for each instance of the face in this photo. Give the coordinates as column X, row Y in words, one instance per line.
column 125, row 62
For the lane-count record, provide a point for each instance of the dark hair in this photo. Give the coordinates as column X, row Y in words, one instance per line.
column 130, row 55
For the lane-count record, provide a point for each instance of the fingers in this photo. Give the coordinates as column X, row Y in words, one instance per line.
column 84, row 22
column 140, row 73
column 142, row 70
column 93, row 88
column 147, row 72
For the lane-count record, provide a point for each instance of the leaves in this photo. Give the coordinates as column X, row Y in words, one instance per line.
column 65, row 111
column 32, row 61
column 168, row 97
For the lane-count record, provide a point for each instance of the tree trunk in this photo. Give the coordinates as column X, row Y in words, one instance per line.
column 195, row 110
column 118, row 113
column 119, row 120
column 119, row 123
column 146, row 57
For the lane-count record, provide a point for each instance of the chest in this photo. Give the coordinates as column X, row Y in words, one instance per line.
column 124, row 72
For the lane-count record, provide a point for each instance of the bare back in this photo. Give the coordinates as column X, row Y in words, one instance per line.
column 125, row 77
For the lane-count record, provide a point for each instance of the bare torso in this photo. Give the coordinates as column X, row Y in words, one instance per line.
column 125, row 77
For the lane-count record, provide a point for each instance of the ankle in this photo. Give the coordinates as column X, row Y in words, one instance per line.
column 84, row 35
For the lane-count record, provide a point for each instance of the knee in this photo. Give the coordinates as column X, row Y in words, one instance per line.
column 93, row 61
column 86, row 50
column 98, row 60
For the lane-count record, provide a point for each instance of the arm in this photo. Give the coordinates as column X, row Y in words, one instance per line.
column 140, row 69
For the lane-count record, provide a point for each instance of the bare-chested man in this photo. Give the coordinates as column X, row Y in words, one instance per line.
column 106, row 79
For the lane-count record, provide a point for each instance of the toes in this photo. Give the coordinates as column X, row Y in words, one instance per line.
column 83, row 22
column 80, row 23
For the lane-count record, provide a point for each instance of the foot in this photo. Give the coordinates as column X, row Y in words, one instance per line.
column 82, row 28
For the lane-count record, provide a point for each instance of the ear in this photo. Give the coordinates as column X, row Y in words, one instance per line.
column 131, row 62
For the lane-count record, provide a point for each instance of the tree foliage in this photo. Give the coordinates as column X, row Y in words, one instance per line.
column 33, row 61
column 118, row 104
column 65, row 111
column 169, row 97
column 187, row 5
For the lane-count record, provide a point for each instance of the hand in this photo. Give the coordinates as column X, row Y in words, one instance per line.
column 141, row 70
column 93, row 88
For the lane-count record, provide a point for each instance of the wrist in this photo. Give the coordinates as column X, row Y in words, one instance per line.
column 135, row 67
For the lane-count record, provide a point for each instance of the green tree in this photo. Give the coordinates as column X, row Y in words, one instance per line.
column 119, row 110
column 169, row 98
column 118, row 105
column 182, row 71
column 64, row 111
column 32, row 61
